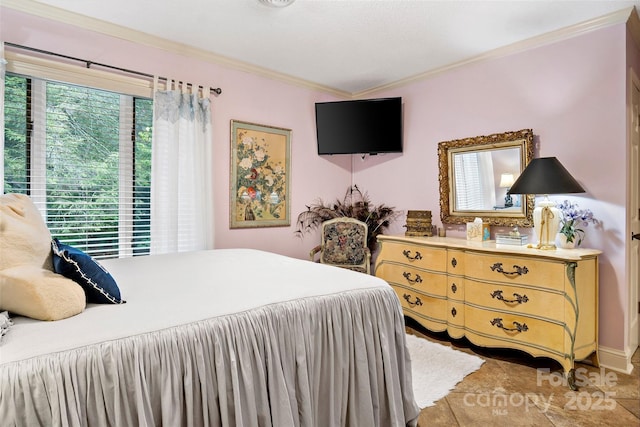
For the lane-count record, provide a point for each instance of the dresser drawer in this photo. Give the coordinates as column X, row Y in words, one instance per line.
column 455, row 262
column 507, row 327
column 415, row 255
column 409, row 277
column 522, row 300
column 455, row 313
column 516, row 270
column 455, row 288
column 423, row 305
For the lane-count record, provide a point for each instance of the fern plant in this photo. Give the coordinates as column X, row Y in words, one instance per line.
column 355, row 204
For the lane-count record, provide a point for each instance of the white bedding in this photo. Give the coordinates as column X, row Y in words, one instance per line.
column 233, row 337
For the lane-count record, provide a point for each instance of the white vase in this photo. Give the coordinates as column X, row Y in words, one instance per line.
column 562, row 241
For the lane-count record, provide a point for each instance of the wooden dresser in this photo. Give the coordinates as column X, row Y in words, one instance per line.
column 542, row 302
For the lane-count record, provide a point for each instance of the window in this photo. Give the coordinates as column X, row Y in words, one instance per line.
column 84, row 157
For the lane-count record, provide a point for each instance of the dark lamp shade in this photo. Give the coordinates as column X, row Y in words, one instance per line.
column 545, row 175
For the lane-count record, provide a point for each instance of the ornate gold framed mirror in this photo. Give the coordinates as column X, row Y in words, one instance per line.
column 475, row 175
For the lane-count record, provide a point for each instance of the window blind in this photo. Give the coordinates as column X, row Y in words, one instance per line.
column 474, row 176
column 467, row 178
column 55, row 70
column 83, row 155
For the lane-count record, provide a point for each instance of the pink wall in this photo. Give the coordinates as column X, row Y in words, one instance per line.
column 571, row 93
column 245, row 97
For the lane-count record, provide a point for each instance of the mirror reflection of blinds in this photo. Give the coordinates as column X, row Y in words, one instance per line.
column 83, row 155
column 474, row 181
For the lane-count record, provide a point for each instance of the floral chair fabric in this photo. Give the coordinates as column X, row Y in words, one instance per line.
column 344, row 244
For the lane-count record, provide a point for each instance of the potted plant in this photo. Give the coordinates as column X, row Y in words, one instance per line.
column 355, row 204
column 571, row 221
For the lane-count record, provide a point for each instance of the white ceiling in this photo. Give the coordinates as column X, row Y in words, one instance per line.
column 351, row 46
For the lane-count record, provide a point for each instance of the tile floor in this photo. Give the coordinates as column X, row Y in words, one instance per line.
column 513, row 389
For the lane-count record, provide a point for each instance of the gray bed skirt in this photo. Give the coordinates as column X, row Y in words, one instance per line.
column 334, row 360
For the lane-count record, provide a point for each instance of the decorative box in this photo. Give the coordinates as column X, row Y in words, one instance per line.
column 419, row 223
column 511, row 239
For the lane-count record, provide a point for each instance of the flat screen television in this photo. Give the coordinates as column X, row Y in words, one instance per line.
column 367, row 126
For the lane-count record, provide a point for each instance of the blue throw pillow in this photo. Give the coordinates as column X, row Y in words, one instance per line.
column 99, row 286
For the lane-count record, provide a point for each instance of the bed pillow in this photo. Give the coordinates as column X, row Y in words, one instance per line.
column 24, row 236
column 99, row 286
column 40, row 294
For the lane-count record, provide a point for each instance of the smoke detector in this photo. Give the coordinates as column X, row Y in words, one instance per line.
column 276, row 3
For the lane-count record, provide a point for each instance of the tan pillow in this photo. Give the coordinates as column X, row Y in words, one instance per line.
column 24, row 236
column 40, row 294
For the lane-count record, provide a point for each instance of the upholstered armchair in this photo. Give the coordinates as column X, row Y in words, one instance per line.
column 344, row 244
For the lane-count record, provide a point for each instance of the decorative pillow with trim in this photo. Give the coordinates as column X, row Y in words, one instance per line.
column 99, row 286
column 41, row 294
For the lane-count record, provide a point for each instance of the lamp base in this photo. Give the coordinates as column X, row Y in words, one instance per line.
column 508, row 201
column 546, row 222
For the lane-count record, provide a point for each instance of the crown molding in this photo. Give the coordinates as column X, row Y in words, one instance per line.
column 60, row 15
column 113, row 30
column 552, row 37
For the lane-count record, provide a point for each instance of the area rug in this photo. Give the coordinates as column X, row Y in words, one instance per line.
column 436, row 369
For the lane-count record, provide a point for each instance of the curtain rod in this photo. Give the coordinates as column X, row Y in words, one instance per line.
column 216, row 91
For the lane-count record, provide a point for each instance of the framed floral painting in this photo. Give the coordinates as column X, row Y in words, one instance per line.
column 260, row 174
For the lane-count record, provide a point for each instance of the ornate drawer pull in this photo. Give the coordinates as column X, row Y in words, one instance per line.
column 454, row 312
column 454, row 262
column 454, row 288
column 520, row 299
column 497, row 322
column 407, row 297
column 407, row 276
column 519, row 271
column 407, row 253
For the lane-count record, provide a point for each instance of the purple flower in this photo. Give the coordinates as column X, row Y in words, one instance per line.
column 572, row 218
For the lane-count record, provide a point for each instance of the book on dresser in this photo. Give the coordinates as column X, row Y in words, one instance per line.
column 543, row 302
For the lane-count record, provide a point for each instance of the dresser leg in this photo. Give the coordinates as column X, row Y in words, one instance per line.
column 571, row 379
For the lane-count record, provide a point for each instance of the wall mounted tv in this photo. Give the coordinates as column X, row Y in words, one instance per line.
column 367, row 126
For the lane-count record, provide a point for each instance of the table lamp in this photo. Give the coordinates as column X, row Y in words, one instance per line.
column 545, row 175
column 506, row 181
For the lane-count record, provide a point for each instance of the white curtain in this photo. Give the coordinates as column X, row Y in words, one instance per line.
column 181, row 170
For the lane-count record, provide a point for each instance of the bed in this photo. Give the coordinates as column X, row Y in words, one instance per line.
column 229, row 337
